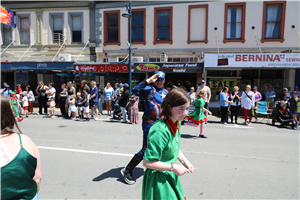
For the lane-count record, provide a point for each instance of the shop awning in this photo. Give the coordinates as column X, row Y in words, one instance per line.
column 5, row 66
column 42, row 65
column 169, row 67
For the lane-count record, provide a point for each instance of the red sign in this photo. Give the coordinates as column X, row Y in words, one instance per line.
column 101, row 67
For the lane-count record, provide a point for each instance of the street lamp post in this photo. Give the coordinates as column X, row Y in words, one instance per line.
column 128, row 14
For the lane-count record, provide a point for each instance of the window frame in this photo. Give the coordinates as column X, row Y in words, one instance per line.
column 243, row 22
column 51, row 15
column 281, row 25
column 3, row 34
column 18, row 21
column 139, row 10
column 189, row 23
column 169, row 8
column 105, row 13
column 70, row 14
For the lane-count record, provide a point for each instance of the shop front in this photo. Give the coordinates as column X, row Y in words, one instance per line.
column 180, row 74
column 261, row 70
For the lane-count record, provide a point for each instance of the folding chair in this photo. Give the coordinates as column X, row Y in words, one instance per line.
column 263, row 112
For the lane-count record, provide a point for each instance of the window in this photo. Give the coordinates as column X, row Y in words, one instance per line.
column 76, row 29
column 273, row 21
column 234, row 22
column 163, row 25
column 111, row 28
column 138, row 26
column 7, row 35
column 197, row 23
column 57, row 29
column 24, row 30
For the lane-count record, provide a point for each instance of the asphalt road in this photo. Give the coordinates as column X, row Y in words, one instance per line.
column 82, row 160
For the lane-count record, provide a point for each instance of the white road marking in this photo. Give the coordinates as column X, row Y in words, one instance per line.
column 86, row 151
column 237, row 126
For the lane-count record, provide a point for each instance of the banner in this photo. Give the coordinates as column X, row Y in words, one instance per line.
column 103, row 67
column 267, row 60
column 42, row 65
column 217, row 84
column 169, row 67
column 7, row 16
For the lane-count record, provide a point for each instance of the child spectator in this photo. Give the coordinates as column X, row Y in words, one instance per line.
column 52, row 105
column 25, row 104
column 72, row 106
column 80, row 109
column 284, row 110
column 85, row 103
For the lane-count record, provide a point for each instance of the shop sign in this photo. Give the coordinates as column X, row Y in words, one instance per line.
column 283, row 60
column 5, row 66
column 169, row 67
column 7, row 16
column 42, row 65
column 101, row 67
column 217, row 84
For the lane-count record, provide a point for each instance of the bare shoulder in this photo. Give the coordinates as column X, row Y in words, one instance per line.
column 29, row 145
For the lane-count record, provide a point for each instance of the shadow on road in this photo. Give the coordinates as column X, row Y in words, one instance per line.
column 116, row 173
column 187, row 136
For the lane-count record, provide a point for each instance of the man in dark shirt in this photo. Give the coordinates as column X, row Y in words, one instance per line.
column 85, row 103
column 285, row 95
column 293, row 107
column 123, row 100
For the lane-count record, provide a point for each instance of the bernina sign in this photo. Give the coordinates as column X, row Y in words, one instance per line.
column 112, row 67
column 288, row 60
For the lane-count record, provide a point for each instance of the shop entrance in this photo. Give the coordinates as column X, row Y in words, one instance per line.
column 187, row 80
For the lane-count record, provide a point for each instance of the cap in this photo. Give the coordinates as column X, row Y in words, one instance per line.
column 203, row 81
column 255, row 88
column 125, row 85
column 7, row 86
column 12, row 93
column 121, row 85
column 18, row 84
column 161, row 76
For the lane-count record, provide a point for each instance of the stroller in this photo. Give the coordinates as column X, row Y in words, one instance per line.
column 284, row 120
column 117, row 111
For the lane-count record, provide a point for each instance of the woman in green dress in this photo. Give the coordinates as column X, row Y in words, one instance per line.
column 198, row 115
column 161, row 178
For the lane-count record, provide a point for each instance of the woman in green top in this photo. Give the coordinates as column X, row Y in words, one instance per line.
column 161, row 179
column 198, row 116
column 19, row 159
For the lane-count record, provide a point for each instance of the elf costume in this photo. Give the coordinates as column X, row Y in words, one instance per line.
column 14, row 103
column 163, row 145
column 198, row 116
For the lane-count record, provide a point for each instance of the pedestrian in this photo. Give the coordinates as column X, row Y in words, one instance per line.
column 14, row 103
column 31, row 99
column 202, row 86
column 20, row 167
column 270, row 97
column 84, row 85
column 247, row 103
column 153, row 92
column 257, row 95
column 7, row 91
column 293, row 107
column 123, row 100
column 70, row 91
column 19, row 91
column 85, row 103
column 296, row 89
column 298, row 109
column 224, row 103
column 198, row 116
column 94, row 100
column 25, row 104
column 192, row 95
column 116, row 96
column 51, row 91
column 79, row 108
column 51, row 104
column 235, row 106
column 63, row 97
column 108, row 93
column 161, row 178
column 285, row 95
column 72, row 106
column 134, row 109
column 100, row 99
column 42, row 98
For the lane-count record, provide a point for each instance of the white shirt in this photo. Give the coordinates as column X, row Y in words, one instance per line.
column 192, row 96
column 51, row 90
column 25, row 101
column 207, row 92
column 246, row 102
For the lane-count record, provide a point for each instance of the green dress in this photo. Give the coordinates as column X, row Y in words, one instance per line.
column 164, row 146
column 197, row 116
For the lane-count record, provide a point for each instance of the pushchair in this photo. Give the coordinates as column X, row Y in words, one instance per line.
column 284, row 120
column 118, row 113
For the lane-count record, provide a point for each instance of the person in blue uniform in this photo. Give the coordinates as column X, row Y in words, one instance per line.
column 153, row 93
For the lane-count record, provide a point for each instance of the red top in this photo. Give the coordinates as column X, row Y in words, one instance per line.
column 284, row 111
column 18, row 92
column 173, row 127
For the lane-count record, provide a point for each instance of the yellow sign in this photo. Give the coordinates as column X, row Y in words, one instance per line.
column 217, row 84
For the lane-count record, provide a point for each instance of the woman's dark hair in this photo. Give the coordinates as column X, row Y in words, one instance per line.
column 29, row 88
column 52, row 84
column 8, row 120
column 225, row 88
column 176, row 97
